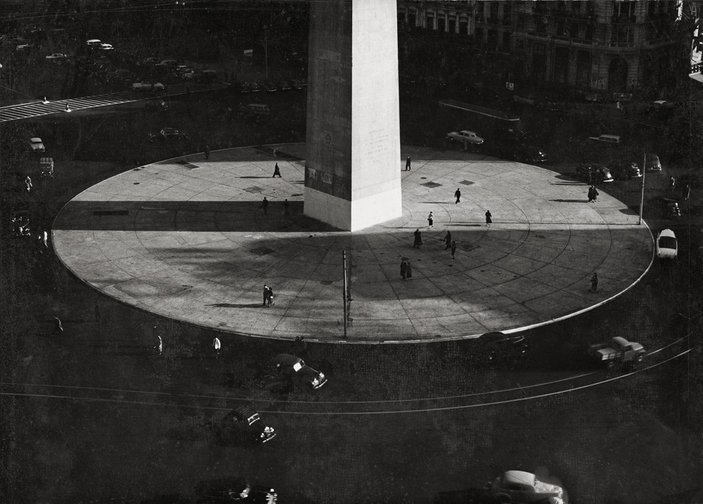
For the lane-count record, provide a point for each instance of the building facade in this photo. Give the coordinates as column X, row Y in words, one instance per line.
column 609, row 45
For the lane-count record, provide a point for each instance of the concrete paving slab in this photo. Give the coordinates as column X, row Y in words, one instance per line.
column 188, row 239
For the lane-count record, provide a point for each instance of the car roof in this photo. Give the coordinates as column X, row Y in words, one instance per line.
column 667, row 232
column 35, row 139
column 519, row 477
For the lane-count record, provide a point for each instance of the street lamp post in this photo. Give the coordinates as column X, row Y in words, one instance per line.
column 644, row 176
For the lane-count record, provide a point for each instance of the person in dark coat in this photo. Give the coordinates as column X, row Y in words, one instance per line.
column 407, row 164
column 489, row 218
column 276, row 171
column 286, row 206
column 453, row 248
column 403, row 269
column 595, row 193
column 448, row 240
column 269, row 296
column 590, row 194
column 457, row 195
column 408, row 269
column 206, row 151
column 430, row 220
column 418, row 239
column 266, row 294
column 265, row 205
column 594, row 282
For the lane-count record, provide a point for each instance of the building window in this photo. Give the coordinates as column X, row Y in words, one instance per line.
column 441, row 24
column 574, row 30
column 589, row 32
column 464, row 26
column 506, row 41
column 451, row 24
column 429, row 22
column 494, row 12
column 507, row 12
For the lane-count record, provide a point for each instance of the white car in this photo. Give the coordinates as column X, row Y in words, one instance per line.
column 521, row 486
column 106, row 47
column 36, row 144
column 93, row 42
column 667, row 247
column 465, row 137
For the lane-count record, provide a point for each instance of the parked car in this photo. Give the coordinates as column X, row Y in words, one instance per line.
column 626, row 170
column 528, row 153
column 233, row 490
column 148, row 86
column 93, row 42
column 524, row 487
column 168, row 134
column 106, row 47
column 295, row 367
column 465, row 138
column 244, row 424
column 611, row 139
column 667, row 247
column 36, row 144
column 56, row 56
column 593, row 173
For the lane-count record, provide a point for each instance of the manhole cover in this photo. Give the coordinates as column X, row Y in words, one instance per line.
column 466, row 182
column 188, row 165
column 261, row 251
column 253, row 189
column 431, row 184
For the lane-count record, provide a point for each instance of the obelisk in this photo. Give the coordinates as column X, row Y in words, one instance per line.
column 352, row 174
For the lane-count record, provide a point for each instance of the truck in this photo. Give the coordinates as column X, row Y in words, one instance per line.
column 618, row 351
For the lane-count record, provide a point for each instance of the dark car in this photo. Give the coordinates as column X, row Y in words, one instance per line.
column 243, row 424
column 168, row 134
column 670, row 208
column 626, row 170
column 594, row 173
column 528, row 153
column 233, row 490
column 498, row 348
column 295, row 367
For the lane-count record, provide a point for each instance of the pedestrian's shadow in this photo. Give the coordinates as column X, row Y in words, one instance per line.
column 570, row 200
column 235, row 305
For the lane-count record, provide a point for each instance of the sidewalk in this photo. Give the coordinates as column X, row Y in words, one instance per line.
column 188, row 239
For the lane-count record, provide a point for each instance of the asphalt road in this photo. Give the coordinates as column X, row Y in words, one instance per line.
column 95, row 414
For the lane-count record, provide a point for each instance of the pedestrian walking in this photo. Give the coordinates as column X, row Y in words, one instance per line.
column 159, row 347
column 457, row 195
column 58, row 324
column 448, row 240
column 594, row 282
column 68, row 109
column 28, row 186
column 418, row 239
column 408, row 269
column 269, row 296
column 590, row 194
column 489, row 218
column 453, row 248
column 672, row 183
column 216, row 345
column 407, row 164
column 595, row 193
column 266, row 295
column 430, row 220
column 403, row 269
column 206, row 151
column 286, row 206
column 45, row 101
column 276, row 171
column 265, row 205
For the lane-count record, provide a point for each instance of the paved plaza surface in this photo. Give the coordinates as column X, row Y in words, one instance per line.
column 188, row 239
